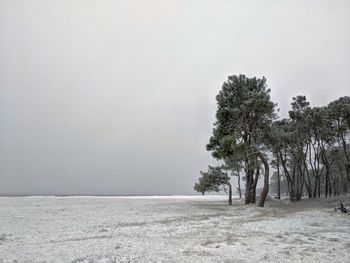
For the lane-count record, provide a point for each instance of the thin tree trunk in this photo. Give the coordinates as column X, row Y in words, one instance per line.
column 229, row 194
column 278, row 179
column 347, row 170
column 300, row 175
column 327, row 181
column 315, row 188
column 239, row 185
column 308, row 185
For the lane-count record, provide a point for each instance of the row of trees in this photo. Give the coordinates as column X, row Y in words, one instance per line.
column 309, row 151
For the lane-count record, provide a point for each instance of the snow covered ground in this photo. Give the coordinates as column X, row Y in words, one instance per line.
column 170, row 229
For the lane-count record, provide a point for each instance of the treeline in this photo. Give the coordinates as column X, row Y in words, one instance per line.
column 309, row 151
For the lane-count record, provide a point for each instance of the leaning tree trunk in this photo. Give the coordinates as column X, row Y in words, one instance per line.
column 308, row 185
column 252, row 192
column 265, row 190
column 293, row 187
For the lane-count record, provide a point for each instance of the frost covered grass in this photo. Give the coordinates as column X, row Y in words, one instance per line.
column 170, row 229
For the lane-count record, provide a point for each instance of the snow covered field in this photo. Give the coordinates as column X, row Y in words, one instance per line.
column 170, row 229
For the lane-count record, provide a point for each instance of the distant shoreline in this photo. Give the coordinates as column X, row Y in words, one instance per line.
column 116, row 196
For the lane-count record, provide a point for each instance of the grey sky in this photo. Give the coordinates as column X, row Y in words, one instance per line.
column 118, row 97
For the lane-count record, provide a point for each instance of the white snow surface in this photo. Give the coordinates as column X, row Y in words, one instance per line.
column 170, row 229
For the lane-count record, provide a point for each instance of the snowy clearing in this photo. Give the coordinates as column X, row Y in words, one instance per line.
column 170, row 229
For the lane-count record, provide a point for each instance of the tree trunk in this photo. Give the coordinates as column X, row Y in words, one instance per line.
column 250, row 191
column 347, row 170
column 278, row 179
column 248, row 185
column 296, row 180
column 253, row 187
column 239, row 185
column 290, row 180
column 308, row 186
column 302, row 179
column 265, row 190
column 229, row 194
column 340, row 185
column 327, row 181
column 315, row 187
column 292, row 196
column 308, row 189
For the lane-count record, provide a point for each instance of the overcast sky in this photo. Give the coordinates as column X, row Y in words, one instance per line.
column 118, row 97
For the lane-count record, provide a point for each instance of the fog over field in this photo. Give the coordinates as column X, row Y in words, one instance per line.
column 118, row 97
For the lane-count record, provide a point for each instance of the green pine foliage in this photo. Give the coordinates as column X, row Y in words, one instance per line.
column 309, row 151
